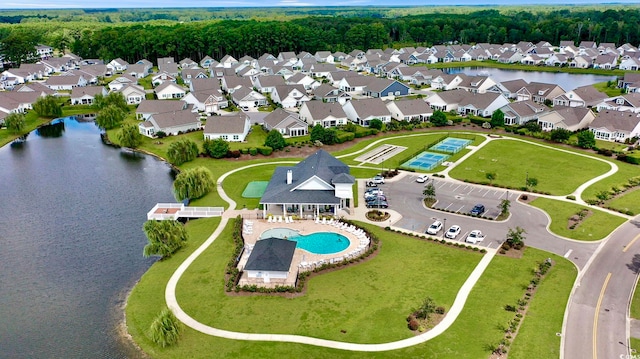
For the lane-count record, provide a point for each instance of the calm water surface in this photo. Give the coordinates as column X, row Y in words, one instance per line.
column 71, row 241
column 567, row 81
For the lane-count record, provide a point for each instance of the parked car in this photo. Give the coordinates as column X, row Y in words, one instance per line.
column 373, row 193
column 378, row 179
column 477, row 210
column 377, row 204
column 475, row 236
column 452, row 232
column 434, row 228
column 378, row 197
column 422, row 178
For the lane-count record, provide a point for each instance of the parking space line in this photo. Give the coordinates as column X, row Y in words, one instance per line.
column 460, row 208
column 484, row 195
column 450, row 204
column 455, row 189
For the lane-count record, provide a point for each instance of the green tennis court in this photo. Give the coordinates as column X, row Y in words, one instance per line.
column 255, row 189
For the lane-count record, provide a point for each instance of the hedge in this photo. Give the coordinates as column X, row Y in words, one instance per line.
column 345, row 137
column 265, row 151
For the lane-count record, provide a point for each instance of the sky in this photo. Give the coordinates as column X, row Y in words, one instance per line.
column 65, row 4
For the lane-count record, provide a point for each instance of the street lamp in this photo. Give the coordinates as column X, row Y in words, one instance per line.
column 444, row 227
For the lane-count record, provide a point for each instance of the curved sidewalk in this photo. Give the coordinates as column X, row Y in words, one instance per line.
column 447, row 321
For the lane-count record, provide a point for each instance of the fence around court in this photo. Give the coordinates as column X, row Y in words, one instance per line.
column 427, row 148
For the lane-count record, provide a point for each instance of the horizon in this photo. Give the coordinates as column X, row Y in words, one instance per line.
column 240, row 4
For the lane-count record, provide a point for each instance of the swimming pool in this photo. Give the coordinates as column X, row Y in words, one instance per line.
column 451, row 145
column 425, row 161
column 317, row 243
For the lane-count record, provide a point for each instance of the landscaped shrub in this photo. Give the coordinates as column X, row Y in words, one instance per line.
column 413, row 324
column 265, row 151
column 571, row 197
column 345, row 137
column 233, row 154
column 253, row 151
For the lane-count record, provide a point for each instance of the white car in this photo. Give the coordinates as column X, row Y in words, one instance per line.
column 422, row 178
column 374, row 193
column 434, row 228
column 475, row 236
column 453, row 232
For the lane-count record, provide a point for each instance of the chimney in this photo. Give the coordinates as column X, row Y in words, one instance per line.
column 289, row 176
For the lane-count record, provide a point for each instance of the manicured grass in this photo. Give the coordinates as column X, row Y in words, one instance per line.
column 614, row 146
column 255, row 139
column 610, row 91
column 595, row 227
column 32, row 121
column 235, row 183
column 618, row 180
column 537, row 335
column 628, row 203
column 329, row 313
column 634, row 311
column 557, row 172
column 635, row 344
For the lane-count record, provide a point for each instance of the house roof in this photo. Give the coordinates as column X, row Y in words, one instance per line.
column 324, row 90
column 88, row 91
column 380, row 84
column 159, row 106
column 271, row 254
column 270, row 80
column 320, row 110
column 166, row 85
column 320, row 165
column 526, row 108
column 205, row 84
column 174, row 118
column 236, row 81
column 370, row 107
column 413, row 106
column 571, row 116
column 616, row 121
column 479, row 100
column 589, row 93
column 226, row 124
column 283, row 119
column 63, row 80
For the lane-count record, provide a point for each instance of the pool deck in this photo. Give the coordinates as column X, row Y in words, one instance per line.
column 302, row 260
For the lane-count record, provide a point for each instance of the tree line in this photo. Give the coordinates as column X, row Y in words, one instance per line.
column 217, row 38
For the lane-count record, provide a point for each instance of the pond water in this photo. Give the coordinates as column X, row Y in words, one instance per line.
column 71, row 241
column 567, row 81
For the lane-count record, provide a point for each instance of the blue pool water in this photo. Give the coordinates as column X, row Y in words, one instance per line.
column 425, row 161
column 451, row 145
column 317, row 243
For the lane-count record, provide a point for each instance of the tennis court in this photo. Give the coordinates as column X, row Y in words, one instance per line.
column 255, row 189
column 425, row 161
column 451, row 145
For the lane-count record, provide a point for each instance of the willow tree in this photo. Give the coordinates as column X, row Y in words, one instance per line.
column 165, row 329
column 165, row 238
column 182, row 151
column 110, row 117
column 15, row 122
column 193, row 183
column 47, row 106
column 129, row 136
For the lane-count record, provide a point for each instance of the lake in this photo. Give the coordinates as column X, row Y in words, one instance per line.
column 567, row 81
column 71, row 241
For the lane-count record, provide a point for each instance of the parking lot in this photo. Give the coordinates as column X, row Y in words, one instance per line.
column 405, row 196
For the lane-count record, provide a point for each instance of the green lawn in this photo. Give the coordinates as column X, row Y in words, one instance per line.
column 634, row 311
column 627, row 201
column 610, row 91
column 537, row 335
column 357, row 299
column 630, row 201
column 635, row 345
column 557, row 172
column 495, row 64
column 595, row 227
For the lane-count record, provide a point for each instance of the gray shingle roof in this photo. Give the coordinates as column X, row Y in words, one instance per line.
column 175, row 118
column 271, row 254
column 616, row 121
column 321, row 165
column 370, row 107
column 159, row 106
column 226, row 124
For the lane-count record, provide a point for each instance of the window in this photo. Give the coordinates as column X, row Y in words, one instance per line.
column 224, row 137
column 236, row 137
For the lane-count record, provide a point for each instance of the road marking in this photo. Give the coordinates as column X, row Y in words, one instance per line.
column 595, row 316
column 455, row 189
column 460, row 208
column 630, row 243
column 566, row 255
column 484, row 195
column 447, row 207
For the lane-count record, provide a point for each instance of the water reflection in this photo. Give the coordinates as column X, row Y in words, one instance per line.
column 132, row 156
column 55, row 129
column 20, row 141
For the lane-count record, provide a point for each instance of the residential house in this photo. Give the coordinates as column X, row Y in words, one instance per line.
column 557, row 60
column 147, row 65
column 630, row 64
column 327, row 114
column 228, row 61
column 65, row 82
column 447, row 82
column 584, row 96
column 136, row 70
column 133, row 94
column 336, row 76
column 206, row 96
column 580, row 62
column 171, row 123
column 509, row 89
column 269, row 264
column 266, row 84
column 117, row 65
column 322, row 69
column 187, row 63
column 233, row 128
column 56, row 64
column 304, row 80
column 481, row 104
column 44, row 51
column 324, row 56
column 630, row 82
column 190, row 73
column 289, row 95
column 86, row 95
column 476, row 84
column 37, row 87
column 169, row 66
column 162, row 77
column 169, row 90
column 606, row 61
column 414, row 110
column 386, row 88
column 287, row 123
column 328, row 93
column 615, row 126
column 355, row 85
column 147, row 108
column 447, row 100
column 18, row 102
column 363, row 111
column 318, row 184
column 539, row 92
column 569, row 118
column 231, row 83
column 629, row 102
column 519, row 113
column 206, row 62
column 121, row 81
column 246, row 97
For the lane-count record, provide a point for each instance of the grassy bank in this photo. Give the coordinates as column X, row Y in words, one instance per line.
column 520, row 67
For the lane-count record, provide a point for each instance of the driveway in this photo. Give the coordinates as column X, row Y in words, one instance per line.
column 404, row 195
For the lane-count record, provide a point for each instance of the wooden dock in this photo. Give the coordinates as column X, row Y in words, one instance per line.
column 163, row 211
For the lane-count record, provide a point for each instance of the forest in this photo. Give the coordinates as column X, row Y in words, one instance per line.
column 134, row 40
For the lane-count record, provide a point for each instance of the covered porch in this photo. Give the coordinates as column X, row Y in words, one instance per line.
column 304, row 210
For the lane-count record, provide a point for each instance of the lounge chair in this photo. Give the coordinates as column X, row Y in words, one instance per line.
column 290, row 219
column 317, row 220
column 279, row 219
column 286, row 219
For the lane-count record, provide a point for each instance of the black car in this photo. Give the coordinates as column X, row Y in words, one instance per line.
column 379, row 197
column 377, row 204
column 477, row 210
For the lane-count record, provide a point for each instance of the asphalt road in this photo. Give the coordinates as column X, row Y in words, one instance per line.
column 599, row 304
column 405, row 196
